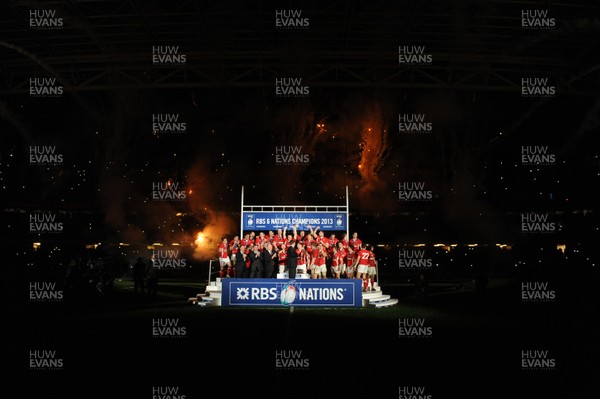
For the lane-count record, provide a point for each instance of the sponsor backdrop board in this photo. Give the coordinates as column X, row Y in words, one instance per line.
column 330, row 221
column 270, row 292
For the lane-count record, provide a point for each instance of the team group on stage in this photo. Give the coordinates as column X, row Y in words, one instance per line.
column 255, row 256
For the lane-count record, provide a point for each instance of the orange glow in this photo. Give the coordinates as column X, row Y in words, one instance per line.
column 199, row 239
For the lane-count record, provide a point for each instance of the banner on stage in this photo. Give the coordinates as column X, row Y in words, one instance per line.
column 282, row 293
column 327, row 221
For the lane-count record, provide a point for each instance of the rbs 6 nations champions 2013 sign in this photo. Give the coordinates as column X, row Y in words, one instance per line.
column 277, row 292
column 332, row 221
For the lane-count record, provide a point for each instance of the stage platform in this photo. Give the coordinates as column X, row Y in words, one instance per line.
column 212, row 296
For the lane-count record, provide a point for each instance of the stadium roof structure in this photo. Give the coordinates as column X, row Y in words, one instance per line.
column 107, row 45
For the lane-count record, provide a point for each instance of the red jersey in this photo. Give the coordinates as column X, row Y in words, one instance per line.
column 314, row 253
column 363, row 257
column 350, row 257
column 277, row 240
column 338, row 259
column 355, row 242
column 223, row 251
column 244, row 241
column 284, row 243
column 372, row 259
column 282, row 257
column 302, row 257
column 233, row 247
column 320, row 259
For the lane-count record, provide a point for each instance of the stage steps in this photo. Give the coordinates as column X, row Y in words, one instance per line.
column 377, row 299
column 211, row 297
column 384, row 304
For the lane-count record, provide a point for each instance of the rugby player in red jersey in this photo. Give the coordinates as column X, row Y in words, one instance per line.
column 303, row 258
column 362, row 264
column 372, row 270
column 344, row 240
column 282, row 259
column 337, row 262
column 246, row 240
column 224, row 261
column 355, row 242
column 319, row 267
column 350, row 258
column 234, row 246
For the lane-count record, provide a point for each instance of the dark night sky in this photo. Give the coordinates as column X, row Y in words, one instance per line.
column 348, row 58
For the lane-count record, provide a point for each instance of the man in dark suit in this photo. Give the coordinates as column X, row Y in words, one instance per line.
column 268, row 262
column 256, row 267
column 240, row 262
column 292, row 259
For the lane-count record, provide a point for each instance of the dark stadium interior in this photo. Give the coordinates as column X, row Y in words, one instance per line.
column 225, row 91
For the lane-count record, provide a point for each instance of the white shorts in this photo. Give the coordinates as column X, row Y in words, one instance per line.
column 224, row 261
column 336, row 269
column 301, row 269
column 320, row 269
column 362, row 269
column 372, row 271
column 349, row 270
